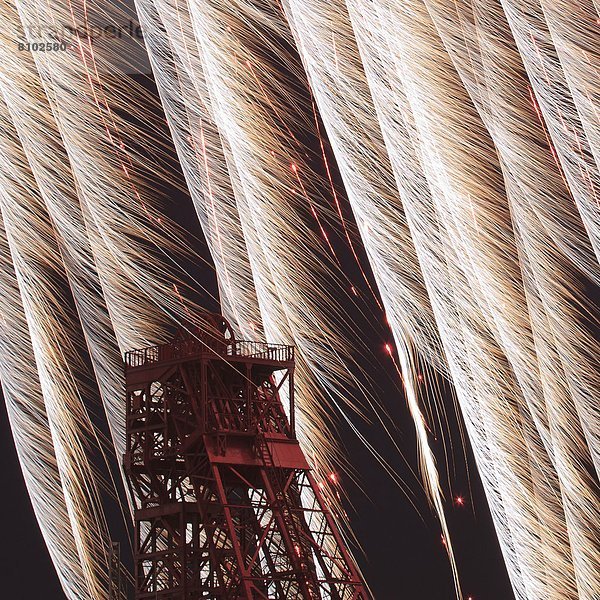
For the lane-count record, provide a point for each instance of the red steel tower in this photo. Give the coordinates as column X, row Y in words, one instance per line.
column 226, row 505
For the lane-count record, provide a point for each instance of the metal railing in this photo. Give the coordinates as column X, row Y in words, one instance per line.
column 261, row 350
column 194, row 347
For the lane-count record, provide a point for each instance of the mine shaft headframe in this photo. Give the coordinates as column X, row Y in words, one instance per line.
column 226, row 505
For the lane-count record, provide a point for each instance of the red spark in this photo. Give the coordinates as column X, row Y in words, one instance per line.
column 388, row 349
column 459, row 501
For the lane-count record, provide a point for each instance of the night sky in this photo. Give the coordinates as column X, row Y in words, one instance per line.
column 402, row 554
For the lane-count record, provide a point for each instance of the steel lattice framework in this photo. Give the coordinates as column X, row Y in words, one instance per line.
column 226, row 505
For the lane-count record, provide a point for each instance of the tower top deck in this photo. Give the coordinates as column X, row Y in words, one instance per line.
column 213, row 338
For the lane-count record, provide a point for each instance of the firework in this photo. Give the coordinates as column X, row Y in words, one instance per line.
column 466, row 136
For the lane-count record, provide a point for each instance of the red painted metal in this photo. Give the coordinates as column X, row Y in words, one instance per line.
column 226, row 505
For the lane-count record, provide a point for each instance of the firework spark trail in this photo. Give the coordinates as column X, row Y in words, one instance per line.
column 425, row 223
column 212, row 179
column 575, row 31
column 570, row 341
column 344, row 101
column 252, row 105
column 556, row 304
column 31, row 432
column 273, row 312
column 185, row 98
column 470, row 216
column 338, row 82
column 32, row 117
column 573, row 148
column 123, row 221
column 116, row 216
column 218, row 195
column 415, row 154
column 39, row 274
column 541, row 58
